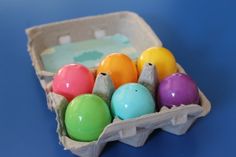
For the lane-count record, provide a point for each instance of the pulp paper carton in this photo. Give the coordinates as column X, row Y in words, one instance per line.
column 134, row 132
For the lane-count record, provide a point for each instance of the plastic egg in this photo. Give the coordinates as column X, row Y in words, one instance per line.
column 86, row 117
column 120, row 68
column 178, row 89
column 132, row 100
column 73, row 80
column 162, row 58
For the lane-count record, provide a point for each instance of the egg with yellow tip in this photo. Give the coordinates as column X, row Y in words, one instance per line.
column 162, row 58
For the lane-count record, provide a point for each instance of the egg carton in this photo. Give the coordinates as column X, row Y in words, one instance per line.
column 134, row 132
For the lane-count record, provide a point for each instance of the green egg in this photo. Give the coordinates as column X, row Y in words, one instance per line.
column 86, row 117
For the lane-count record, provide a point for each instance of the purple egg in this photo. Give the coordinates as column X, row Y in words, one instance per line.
column 178, row 89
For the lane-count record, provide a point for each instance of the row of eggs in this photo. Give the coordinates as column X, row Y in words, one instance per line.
column 87, row 114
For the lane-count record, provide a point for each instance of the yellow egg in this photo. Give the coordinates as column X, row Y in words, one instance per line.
column 162, row 58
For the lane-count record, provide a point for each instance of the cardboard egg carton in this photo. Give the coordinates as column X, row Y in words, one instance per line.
column 134, row 132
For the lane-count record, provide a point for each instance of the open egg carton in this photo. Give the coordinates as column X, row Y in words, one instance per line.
column 134, row 132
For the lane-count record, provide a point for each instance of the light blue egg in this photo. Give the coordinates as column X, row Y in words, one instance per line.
column 132, row 100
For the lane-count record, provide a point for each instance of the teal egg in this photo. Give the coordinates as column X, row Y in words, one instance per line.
column 132, row 100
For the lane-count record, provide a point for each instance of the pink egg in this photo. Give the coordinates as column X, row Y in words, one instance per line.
column 73, row 80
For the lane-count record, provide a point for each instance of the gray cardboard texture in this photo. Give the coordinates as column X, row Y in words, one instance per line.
column 134, row 132
column 104, row 87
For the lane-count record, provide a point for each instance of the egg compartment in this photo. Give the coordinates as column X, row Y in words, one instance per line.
column 128, row 24
column 134, row 132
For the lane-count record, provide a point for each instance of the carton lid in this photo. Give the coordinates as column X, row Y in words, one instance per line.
column 125, row 31
column 88, row 52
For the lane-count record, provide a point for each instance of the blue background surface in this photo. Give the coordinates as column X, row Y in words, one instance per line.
column 201, row 34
